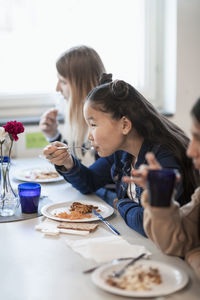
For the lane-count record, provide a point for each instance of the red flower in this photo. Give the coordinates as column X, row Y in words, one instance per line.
column 14, row 128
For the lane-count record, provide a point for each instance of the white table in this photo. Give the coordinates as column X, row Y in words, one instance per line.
column 36, row 268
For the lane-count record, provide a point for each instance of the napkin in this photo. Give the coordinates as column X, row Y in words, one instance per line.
column 103, row 249
column 49, row 227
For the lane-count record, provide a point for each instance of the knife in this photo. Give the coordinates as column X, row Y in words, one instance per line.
column 105, row 222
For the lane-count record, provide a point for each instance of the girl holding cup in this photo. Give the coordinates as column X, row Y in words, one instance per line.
column 123, row 127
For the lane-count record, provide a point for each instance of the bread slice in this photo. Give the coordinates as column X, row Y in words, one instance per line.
column 78, row 226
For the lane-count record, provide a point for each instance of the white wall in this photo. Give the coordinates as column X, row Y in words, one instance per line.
column 188, row 61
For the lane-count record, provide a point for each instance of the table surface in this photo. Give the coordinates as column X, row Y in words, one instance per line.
column 34, row 267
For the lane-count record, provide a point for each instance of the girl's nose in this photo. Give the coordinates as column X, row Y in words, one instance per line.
column 90, row 137
column 58, row 87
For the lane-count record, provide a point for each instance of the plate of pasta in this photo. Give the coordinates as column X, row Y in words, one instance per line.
column 38, row 174
column 81, row 211
column 146, row 278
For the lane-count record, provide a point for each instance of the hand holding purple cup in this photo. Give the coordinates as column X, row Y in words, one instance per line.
column 161, row 185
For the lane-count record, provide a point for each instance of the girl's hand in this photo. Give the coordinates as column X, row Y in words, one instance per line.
column 139, row 176
column 59, row 157
column 48, row 123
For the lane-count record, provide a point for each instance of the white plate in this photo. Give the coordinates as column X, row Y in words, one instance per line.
column 51, row 209
column 173, row 279
column 26, row 175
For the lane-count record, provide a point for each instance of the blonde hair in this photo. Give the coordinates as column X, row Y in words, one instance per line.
column 82, row 67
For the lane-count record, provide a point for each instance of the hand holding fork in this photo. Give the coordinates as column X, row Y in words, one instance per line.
column 59, row 154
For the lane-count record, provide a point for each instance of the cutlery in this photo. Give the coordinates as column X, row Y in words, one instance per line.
column 105, row 222
column 121, row 272
column 114, row 261
column 76, row 147
column 69, row 147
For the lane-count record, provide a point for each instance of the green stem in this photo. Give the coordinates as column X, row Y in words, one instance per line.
column 9, row 154
column 5, row 171
column 10, row 149
column 2, row 152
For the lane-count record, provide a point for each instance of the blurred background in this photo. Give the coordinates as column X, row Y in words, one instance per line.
column 152, row 44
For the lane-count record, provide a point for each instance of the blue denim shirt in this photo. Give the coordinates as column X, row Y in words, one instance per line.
column 114, row 167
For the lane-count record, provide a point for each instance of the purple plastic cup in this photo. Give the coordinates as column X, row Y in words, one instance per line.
column 29, row 195
column 161, row 185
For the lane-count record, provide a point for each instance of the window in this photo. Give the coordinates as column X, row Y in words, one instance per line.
column 34, row 33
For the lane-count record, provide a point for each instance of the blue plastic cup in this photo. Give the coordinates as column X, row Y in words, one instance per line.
column 29, row 195
column 161, row 185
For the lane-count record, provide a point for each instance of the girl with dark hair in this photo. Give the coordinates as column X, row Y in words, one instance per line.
column 123, row 127
column 180, row 234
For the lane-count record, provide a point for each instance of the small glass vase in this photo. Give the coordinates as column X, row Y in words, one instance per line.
column 8, row 198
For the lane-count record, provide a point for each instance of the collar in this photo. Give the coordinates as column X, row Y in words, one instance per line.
column 127, row 158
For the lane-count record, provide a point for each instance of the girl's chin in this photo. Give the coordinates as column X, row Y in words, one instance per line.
column 104, row 153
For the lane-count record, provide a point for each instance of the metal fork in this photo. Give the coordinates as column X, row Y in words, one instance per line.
column 121, row 272
column 114, row 261
column 69, row 148
column 75, row 147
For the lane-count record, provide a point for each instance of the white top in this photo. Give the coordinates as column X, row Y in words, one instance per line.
column 131, row 192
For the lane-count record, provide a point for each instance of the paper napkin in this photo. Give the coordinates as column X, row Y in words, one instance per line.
column 103, row 249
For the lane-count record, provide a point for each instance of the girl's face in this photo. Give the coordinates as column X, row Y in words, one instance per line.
column 193, row 150
column 63, row 87
column 105, row 133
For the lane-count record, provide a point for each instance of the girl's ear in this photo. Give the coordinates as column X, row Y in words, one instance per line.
column 126, row 125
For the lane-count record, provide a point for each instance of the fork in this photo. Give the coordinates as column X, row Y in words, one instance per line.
column 114, row 261
column 76, row 147
column 121, row 272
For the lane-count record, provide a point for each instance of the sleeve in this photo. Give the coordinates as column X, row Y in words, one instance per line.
column 88, row 180
column 57, row 137
column 132, row 213
column 180, row 226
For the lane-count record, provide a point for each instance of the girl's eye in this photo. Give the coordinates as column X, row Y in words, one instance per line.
column 63, row 82
column 92, row 125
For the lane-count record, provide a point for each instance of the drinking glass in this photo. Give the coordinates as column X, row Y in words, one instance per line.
column 29, row 195
column 161, row 185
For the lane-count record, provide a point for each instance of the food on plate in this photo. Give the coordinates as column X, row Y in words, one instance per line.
column 41, row 174
column 78, row 226
column 82, row 208
column 137, row 278
column 77, row 211
column 74, row 215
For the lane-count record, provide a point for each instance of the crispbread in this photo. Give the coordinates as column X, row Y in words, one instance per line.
column 78, row 226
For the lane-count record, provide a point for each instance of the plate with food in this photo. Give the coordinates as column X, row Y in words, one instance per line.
column 146, row 278
column 38, row 174
column 72, row 211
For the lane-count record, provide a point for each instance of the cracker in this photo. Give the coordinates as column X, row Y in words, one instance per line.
column 78, row 226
